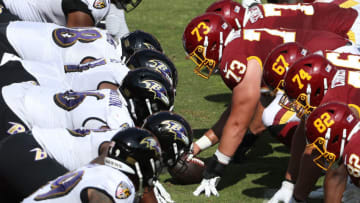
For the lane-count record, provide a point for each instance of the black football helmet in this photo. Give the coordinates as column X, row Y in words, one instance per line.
column 127, row 5
column 146, row 92
column 138, row 40
column 173, row 132
column 136, row 151
column 154, row 60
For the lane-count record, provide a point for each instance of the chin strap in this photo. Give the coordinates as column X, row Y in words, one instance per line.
column 140, row 176
column 162, row 196
column 132, row 108
column 148, row 104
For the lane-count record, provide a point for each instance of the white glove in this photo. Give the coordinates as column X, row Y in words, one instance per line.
column 284, row 194
column 209, row 186
column 162, row 196
column 115, row 22
column 351, row 194
column 248, row 3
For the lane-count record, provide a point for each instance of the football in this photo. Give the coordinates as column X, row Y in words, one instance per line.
column 187, row 172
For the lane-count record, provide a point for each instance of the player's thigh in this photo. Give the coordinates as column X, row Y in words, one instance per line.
column 10, row 123
column 14, row 72
column 25, row 166
column 5, row 46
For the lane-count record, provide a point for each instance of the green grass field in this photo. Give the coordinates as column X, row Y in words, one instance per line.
column 202, row 101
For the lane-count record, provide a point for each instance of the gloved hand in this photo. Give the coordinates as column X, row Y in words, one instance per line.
column 211, row 178
column 115, row 22
column 248, row 3
column 284, row 194
column 351, row 194
column 162, row 196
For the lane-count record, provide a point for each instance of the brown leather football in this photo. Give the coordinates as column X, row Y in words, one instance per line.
column 187, row 172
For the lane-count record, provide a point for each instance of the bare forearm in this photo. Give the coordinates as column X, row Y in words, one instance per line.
column 297, row 149
column 218, row 127
column 308, row 175
column 335, row 184
column 213, row 135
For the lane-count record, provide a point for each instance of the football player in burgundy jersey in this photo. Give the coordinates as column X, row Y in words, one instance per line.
column 316, row 16
column 275, row 116
column 351, row 164
column 320, row 82
column 210, row 40
column 329, row 129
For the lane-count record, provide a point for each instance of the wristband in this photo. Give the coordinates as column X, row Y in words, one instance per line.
column 204, row 142
column 222, row 158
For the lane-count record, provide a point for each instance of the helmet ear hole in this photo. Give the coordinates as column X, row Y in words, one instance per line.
column 336, row 138
column 317, row 92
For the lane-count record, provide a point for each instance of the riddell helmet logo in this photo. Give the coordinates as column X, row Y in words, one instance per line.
column 158, row 90
column 177, row 129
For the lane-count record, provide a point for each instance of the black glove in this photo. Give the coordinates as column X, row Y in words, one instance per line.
column 214, row 168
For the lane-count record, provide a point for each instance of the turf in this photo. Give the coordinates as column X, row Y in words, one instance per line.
column 202, row 101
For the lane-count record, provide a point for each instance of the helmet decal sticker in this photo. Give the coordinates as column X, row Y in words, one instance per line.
column 177, row 129
column 152, row 144
column 158, row 90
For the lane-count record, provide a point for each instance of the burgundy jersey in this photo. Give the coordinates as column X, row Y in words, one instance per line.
column 345, row 88
column 316, row 16
column 343, row 60
column 257, row 43
column 351, row 158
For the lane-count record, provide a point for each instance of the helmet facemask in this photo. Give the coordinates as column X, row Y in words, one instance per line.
column 325, row 159
column 127, row 5
column 286, row 103
column 204, row 66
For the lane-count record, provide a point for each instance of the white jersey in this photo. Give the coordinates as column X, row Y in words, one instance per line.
column 57, row 44
column 48, row 108
column 67, row 188
column 72, row 148
column 52, row 10
column 83, row 77
column 46, row 74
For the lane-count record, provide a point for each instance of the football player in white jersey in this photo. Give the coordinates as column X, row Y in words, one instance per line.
column 70, row 13
column 131, row 164
column 46, row 154
column 49, row 108
column 41, row 151
column 26, row 105
column 69, row 46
